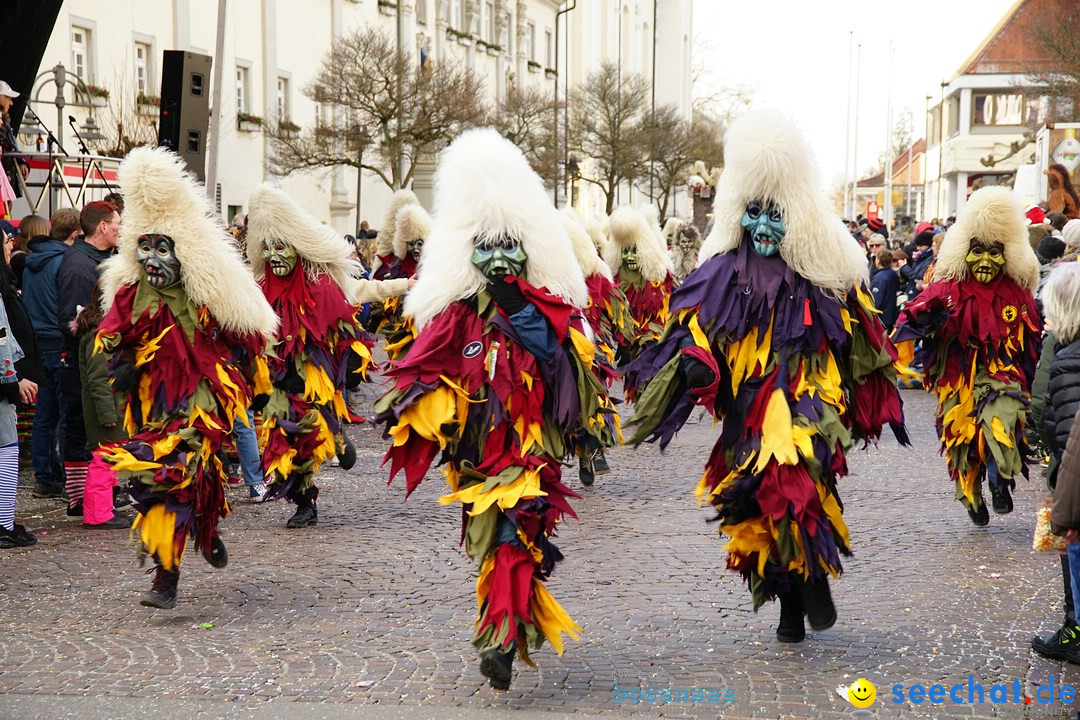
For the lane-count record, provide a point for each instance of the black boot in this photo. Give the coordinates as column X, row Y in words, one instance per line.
column 600, row 466
column 1062, row 645
column 1003, row 502
column 163, row 592
column 497, row 667
column 216, row 554
column 1047, row 645
column 980, row 517
column 585, row 468
column 306, row 514
column 347, row 456
column 791, row 628
column 818, row 604
column 75, row 510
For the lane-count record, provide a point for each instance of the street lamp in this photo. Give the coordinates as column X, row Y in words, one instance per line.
column 363, row 139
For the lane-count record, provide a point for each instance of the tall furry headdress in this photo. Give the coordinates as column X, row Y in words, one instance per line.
column 413, row 223
column 598, row 236
column 273, row 215
column 384, row 240
column 161, row 196
column 485, row 187
column 671, row 229
column 992, row 214
column 590, row 261
column 633, row 227
column 766, row 159
column 684, row 259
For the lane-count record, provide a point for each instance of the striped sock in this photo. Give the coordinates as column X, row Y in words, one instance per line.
column 9, row 479
column 76, row 481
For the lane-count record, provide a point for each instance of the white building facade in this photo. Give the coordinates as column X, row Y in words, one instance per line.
column 273, row 49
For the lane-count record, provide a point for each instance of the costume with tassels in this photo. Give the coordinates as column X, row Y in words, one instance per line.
column 411, row 231
column 643, row 271
column 185, row 322
column 304, row 270
column 385, row 257
column 977, row 336
column 499, row 381
column 776, row 335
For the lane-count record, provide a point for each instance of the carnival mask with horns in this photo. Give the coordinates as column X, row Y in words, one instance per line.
column 280, row 256
column 157, row 255
column 498, row 256
column 764, row 223
column 985, row 260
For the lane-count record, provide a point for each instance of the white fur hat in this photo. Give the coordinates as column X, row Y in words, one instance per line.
column 273, row 215
column 1071, row 235
column 485, row 187
column 384, row 240
column 161, row 196
column 587, row 257
column 992, row 214
column 413, row 223
column 766, row 159
column 633, row 227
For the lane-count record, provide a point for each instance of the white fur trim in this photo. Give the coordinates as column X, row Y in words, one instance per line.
column 412, row 223
column 632, row 227
column 992, row 214
column 484, row 186
column 584, row 250
column 766, row 159
column 161, row 196
column 384, row 240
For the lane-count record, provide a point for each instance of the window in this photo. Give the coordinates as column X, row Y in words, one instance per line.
column 531, row 39
column 142, row 64
column 489, row 22
column 997, row 109
column 457, row 15
column 80, row 53
column 282, row 98
column 421, row 12
column 242, row 90
column 549, row 57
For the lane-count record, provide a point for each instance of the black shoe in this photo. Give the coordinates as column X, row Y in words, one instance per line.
column 600, row 466
column 43, row 490
column 121, row 499
column 497, row 667
column 980, row 517
column 163, row 593
column 347, row 456
column 119, row 521
column 1003, row 502
column 75, row 510
column 216, row 554
column 1062, row 645
column 17, row 536
column 791, row 629
column 585, row 469
column 305, row 516
column 818, row 605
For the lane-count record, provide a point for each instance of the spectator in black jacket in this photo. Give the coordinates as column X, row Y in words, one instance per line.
column 100, row 223
column 884, row 285
column 1061, row 303
column 911, row 274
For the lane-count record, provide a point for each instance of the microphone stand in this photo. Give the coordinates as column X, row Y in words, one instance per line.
column 86, row 151
column 51, row 142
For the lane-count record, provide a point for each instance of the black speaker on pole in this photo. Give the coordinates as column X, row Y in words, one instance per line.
column 185, row 107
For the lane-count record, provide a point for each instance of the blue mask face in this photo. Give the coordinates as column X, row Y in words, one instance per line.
column 766, row 227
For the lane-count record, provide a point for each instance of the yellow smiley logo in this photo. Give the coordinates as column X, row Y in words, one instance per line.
column 862, row 693
column 1008, row 313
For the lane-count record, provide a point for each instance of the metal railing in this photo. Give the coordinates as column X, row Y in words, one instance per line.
column 56, row 181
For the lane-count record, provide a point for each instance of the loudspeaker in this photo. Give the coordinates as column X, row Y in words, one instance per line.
column 185, row 107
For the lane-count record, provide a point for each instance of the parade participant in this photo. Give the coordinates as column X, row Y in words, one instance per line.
column 499, row 379
column 385, row 258
column 980, row 333
column 412, row 227
column 643, row 271
column 776, row 334
column 183, row 316
column 685, row 244
column 305, row 272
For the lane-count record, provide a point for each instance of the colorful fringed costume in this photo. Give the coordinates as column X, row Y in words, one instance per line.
column 800, row 376
column 978, row 342
column 775, row 334
column 498, row 384
column 184, row 324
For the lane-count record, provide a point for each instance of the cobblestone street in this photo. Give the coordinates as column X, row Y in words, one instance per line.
column 375, row 605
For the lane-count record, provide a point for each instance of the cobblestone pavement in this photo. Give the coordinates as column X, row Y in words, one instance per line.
column 375, row 605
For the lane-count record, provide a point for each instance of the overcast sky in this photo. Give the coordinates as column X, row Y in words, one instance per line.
column 793, row 55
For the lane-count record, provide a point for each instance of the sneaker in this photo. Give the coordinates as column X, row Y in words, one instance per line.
column 119, row 521
column 1062, row 645
column 980, row 517
column 44, row 490
column 235, row 480
column 1044, row 461
column 1002, row 499
column 334, row 462
column 257, row 492
column 17, row 536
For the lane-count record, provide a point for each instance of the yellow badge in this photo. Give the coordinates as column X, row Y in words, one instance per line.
column 1008, row 313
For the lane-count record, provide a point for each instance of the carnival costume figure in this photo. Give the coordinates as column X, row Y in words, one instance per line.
column 500, row 381
column 685, row 246
column 184, row 324
column 978, row 334
column 776, row 335
column 412, row 227
column 320, row 348
column 385, row 258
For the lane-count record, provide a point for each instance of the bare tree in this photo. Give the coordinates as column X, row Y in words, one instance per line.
column 527, row 117
column 386, row 108
column 606, row 125
column 671, row 148
column 123, row 125
column 1059, row 70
